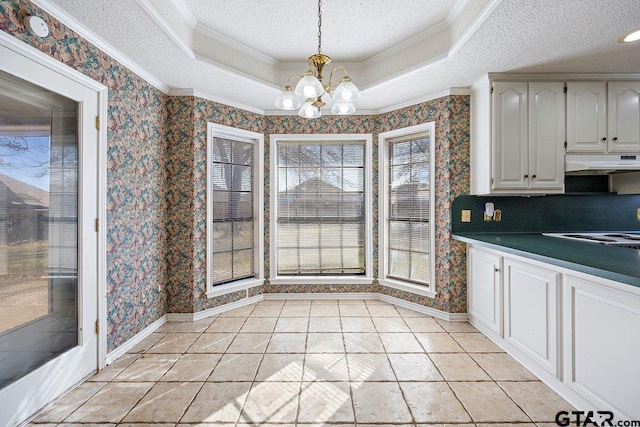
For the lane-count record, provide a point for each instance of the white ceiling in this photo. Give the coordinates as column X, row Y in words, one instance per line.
column 398, row 52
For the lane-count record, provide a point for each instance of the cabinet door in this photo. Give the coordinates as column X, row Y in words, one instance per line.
column 546, row 135
column 624, row 117
column 586, row 117
column 509, row 136
column 531, row 312
column 484, row 289
column 601, row 344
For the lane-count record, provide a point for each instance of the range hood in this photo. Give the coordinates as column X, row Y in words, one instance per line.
column 601, row 163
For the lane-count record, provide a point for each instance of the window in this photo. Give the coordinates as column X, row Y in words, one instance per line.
column 321, row 225
column 406, row 205
column 234, row 206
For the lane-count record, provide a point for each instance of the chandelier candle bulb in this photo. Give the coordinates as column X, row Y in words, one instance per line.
column 311, row 88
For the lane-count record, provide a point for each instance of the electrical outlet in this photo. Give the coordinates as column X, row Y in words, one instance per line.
column 466, row 215
column 638, row 214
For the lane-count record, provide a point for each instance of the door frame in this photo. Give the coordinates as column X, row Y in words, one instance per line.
column 31, row 53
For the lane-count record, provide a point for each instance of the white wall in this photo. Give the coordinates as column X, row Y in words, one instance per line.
column 625, row 183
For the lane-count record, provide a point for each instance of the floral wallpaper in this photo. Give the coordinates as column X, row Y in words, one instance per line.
column 451, row 115
column 156, row 184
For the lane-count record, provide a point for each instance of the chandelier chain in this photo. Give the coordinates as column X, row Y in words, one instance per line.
column 319, row 26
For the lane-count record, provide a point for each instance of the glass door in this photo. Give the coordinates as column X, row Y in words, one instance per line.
column 48, row 251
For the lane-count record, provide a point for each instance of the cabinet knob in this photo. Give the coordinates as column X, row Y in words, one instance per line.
column 615, row 138
column 526, row 176
column 534, row 177
column 497, row 270
column 604, row 138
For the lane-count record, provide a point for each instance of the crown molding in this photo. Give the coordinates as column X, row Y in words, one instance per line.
column 448, row 92
column 239, row 74
column 98, row 42
column 234, row 44
column 475, row 25
column 208, row 97
column 400, row 47
column 185, row 12
column 564, row 77
column 420, row 66
column 166, row 28
column 416, row 101
column 457, row 10
column 327, row 113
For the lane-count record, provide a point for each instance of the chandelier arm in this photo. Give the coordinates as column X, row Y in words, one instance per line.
column 331, row 81
column 292, row 76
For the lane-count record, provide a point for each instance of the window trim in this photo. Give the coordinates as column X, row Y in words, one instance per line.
column 346, row 279
column 383, row 206
column 214, row 129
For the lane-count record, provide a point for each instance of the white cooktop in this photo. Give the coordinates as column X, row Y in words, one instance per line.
column 614, row 238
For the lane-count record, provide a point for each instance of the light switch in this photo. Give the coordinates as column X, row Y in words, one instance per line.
column 466, row 215
column 638, row 214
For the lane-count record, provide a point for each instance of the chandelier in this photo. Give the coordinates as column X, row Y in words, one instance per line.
column 311, row 88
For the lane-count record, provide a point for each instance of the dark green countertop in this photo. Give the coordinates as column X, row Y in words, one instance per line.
column 618, row 264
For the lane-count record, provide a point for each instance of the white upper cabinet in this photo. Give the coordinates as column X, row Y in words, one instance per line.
column 587, row 117
column 528, row 130
column 624, row 117
column 603, row 117
column 510, row 138
column 546, row 135
column 520, row 128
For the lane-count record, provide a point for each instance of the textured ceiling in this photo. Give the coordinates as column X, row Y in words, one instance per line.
column 397, row 51
column 351, row 30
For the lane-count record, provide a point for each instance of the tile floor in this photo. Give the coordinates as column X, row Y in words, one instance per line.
column 311, row 362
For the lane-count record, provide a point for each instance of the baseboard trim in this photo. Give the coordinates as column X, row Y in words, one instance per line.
column 451, row 317
column 192, row 317
column 322, row 296
column 133, row 341
column 221, row 309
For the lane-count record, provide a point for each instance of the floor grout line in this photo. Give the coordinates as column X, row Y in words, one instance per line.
column 263, row 314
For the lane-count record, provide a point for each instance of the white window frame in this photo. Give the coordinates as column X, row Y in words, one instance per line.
column 383, row 205
column 346, row 279
column 216, row 130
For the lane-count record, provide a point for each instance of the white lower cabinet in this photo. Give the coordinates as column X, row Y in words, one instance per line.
column 531, row 312
column 485, row 289
column 602, row 344
column 578, row 333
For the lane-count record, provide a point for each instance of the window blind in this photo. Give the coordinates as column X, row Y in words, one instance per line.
column 321, row 211
column 408, row 202
column 232, row 207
